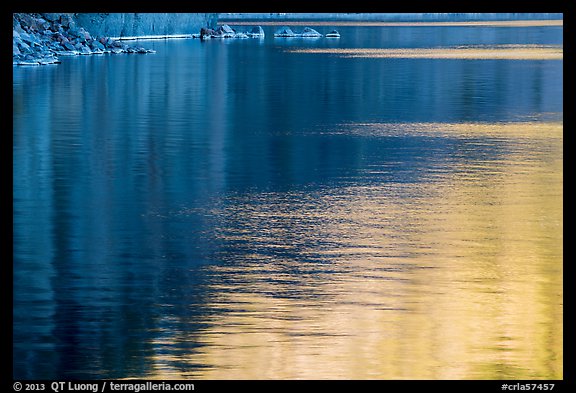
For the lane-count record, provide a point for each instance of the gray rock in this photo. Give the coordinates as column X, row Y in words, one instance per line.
column 24, row 48
column 51, row 17
column 310, row 33
column 79, row 32
column 29, row 39
column 56, row 47
column 72, row 31
column 82, row 33
column 67, row 45
column 26, row 21
column 41, row 24
column 256, row 32
column 306, row 33
column 60, row 38
column 97, row 45
column 18, row 28
column 284, row 32
column 33, row 24
column 66, row 21
column 206, row 33
column 226, row 29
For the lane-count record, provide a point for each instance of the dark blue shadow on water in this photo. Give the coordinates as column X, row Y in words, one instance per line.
column 125, row 168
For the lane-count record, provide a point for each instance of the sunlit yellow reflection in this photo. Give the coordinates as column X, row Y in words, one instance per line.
column 495, row 52
column 456, row 278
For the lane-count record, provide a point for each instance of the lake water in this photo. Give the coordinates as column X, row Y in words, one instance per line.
column 248, row 209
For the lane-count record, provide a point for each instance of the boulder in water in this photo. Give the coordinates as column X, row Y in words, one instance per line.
column 285, row 32
column 256, row 32
column 225, row 31
column 310, row 33
column 206, row 33
column 333, row 34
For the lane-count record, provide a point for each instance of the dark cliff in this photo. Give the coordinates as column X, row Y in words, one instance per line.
column 143, row 24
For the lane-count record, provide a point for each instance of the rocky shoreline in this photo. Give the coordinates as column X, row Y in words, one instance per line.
column 226, row 31
column 39, row 39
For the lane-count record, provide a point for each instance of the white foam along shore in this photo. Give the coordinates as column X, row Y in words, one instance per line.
column 157, row 37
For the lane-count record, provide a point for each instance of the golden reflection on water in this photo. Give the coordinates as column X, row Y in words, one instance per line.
column 494, row 52
column 458, row 277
